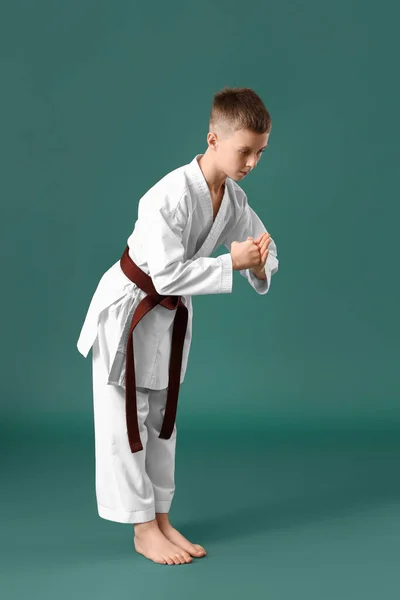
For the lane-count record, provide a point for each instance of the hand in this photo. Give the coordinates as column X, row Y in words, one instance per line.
column 262, row 243
column 245, row 255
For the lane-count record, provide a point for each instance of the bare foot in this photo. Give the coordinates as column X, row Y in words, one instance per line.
column 178, row 539
column 151, row 542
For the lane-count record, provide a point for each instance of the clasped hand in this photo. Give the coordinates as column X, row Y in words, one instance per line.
column 251, row 254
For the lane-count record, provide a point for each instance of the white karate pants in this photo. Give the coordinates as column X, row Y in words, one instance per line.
column 130, row 487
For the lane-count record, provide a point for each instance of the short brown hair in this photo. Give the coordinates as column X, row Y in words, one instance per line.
column 239, row 108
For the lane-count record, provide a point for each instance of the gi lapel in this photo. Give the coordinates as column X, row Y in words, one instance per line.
column 196, row 174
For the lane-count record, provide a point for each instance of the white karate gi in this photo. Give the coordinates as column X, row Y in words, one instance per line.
column 172, row 240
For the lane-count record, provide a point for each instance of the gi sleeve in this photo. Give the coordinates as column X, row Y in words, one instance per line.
column 162, row 232
column 250, row 224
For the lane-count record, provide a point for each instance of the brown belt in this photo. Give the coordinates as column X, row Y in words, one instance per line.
column 152, row 299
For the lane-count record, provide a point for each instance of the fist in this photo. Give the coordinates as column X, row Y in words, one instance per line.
column 245, row 255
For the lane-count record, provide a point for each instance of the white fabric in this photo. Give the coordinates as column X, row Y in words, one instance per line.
column 130, row 487
column 171, row 241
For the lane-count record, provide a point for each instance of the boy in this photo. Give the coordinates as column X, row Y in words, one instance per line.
column 139, row 321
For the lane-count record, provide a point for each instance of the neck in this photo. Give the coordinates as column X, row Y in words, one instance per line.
column 214, row 177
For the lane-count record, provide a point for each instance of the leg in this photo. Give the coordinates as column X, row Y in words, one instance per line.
column 160, row 454
column 123, row 489
column 160, row 466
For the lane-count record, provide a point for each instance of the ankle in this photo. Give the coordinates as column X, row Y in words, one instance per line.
column 163, row 520
column 141, row 528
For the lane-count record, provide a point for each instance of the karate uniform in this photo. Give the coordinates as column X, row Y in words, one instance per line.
column 171, row 242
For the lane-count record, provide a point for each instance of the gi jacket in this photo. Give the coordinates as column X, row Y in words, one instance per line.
column 171, row 241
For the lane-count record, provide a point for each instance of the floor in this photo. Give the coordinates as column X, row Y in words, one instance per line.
column 284, row 516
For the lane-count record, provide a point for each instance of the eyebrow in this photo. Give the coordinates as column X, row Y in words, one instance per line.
column 248, row 147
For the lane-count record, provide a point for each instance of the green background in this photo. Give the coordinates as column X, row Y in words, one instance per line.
column 288, row 421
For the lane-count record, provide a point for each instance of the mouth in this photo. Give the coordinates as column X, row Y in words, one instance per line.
column 244, row 172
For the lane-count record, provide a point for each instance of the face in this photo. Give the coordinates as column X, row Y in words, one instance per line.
column 240, row 153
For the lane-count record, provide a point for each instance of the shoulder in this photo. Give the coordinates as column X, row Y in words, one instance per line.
column 167, row 194
column 239, row 203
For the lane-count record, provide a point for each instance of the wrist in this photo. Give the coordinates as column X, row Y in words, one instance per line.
column 259, row 273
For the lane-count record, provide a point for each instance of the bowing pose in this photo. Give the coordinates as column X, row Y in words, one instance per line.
column 139, row 321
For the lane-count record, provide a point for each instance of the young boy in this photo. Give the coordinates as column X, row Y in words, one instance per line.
column 139, row 321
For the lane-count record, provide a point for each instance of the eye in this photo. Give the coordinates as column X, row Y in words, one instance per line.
column 246, row 151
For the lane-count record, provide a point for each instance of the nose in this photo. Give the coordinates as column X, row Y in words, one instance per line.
column 252, row 164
